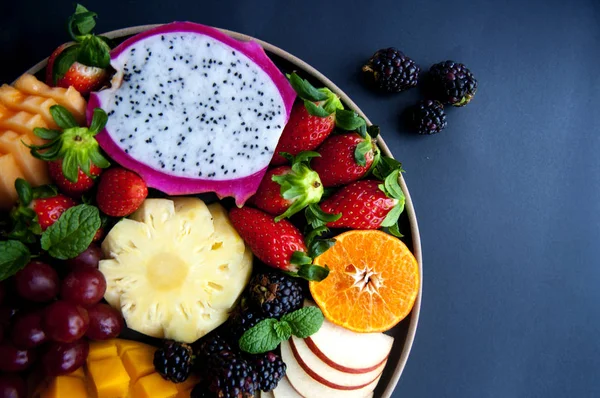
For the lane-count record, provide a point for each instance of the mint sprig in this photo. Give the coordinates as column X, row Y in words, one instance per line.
column 72, row 233
column 269, row 333
column 14, row 256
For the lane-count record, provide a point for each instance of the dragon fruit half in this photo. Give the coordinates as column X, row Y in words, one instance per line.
column 193, row 110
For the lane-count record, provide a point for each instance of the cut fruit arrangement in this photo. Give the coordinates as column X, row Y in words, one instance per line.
column 238, row 217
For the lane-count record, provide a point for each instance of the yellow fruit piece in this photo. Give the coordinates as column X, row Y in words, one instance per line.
column 188, row 384
column 9, row 172
column 65, row 386
column 78, row 373
column 184, row 394
column 101, row 350
column 153, row 386
column 67, row 97
column 125, row 345
column 138, row 362
column 24, row 123
column 34, row 170
column 109, row 377
column 15, row 100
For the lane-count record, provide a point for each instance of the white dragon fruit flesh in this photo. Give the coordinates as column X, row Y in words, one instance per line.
column 193, row 110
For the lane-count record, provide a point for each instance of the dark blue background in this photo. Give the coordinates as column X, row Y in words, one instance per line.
column 507, row 197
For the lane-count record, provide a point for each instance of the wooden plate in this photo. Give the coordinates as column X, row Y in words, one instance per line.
column 404, row 333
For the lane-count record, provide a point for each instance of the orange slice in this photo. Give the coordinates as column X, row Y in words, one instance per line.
column 373, row 283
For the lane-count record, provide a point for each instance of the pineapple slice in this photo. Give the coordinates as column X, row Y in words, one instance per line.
column 175, row 268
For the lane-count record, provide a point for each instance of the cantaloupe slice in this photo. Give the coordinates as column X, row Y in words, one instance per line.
column 15, row 100
column 9, row 172
column 69, row 97
column 24, row 123
column 5, row 112
column 34, row 170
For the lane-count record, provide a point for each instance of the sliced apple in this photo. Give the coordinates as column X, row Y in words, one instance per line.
column 348, row 351
column 310, row 360
column 309, row 384
column 284, row 390
column 267, row 394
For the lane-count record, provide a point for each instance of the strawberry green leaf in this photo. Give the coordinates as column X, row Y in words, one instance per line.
column 46, row 134
column 304, row 322
column 14, row 256
column 315, row 110
column 392, row 217
column 99, row 119
column 98, row 159
column 392, row 187
column 332, row 103
column 385, row 166
column 348, row 120
column 314, row 273
column 305, row 90
column 94, row 52
column 24, row 192
column 395, row 230
column 360, row 153
column 72, row 233
column 63, row 62
column 316, row 246
column 260, row 338
column 300, row 258
column 373, row 131
column 316, row 217
column 313, row 233
column 44, row 191
column 63, row 118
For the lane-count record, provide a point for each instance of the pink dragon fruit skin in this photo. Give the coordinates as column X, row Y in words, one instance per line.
column 241, row 187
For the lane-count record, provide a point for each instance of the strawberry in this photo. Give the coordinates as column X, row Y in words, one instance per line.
column 120, row 192
column 48, row 210
column 345, row 158
column 369, row 204
column 82, row 64
column 84, row 182
column 74, row 154
column 83, row 78
column 312, row 119
column 278, row 244
column 37, row 209
column 285, row 190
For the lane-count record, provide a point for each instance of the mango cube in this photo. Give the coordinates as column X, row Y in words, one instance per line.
column 125, row 345
column 188, row 384
column 78, row 373
column 139, row 362
column 153, row 386
column 184, row 394
column 102, row 350
column 66, row 386
column 109, row 377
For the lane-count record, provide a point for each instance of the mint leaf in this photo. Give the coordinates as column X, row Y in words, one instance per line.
column 260, row 338
column 283, row 330
column 72, row 233
column 94, row 52
column 305, row 321
column 14, row 256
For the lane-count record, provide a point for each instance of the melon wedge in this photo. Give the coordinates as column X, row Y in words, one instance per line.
column 10, row 171
column 15, row 100
column 34, row 170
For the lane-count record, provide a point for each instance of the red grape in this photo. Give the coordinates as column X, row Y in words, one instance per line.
column 85, row 286
column 27, row 330
column 63, row 358
column 12, row 386
column 105, row 322
column 65, row 321
column 13, row 359
column 89, row 258
column 37, row 282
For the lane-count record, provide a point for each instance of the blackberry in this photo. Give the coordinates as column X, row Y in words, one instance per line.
column 231, row 376
column 270, row 368
column 428, row 117
column 174, row 361
column 241, row 319
column 210, row 345
column 275, row 294
column 452, row 83
column 392, row 71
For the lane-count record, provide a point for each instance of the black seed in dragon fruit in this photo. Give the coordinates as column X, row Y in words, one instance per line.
column 193, row 110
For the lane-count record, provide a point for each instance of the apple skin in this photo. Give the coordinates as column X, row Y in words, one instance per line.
column 312, row 385
column 338, row 378
column 313, row 347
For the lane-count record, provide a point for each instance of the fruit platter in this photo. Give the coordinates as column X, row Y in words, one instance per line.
column 191, row 212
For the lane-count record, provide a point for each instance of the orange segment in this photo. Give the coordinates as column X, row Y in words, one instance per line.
column 373, row 283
